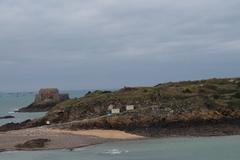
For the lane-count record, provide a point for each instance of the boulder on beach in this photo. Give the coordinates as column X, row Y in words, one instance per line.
column 34, row 143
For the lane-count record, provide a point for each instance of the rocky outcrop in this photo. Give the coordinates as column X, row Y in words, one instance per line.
column 22, row 125
column 206, row 103
column 205, row 107
column 45, row 100
column 154, row 127
column 33, row 144
column 7, row 117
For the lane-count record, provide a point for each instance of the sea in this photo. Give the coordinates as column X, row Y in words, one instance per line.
column 178, row 148
column 11, row 102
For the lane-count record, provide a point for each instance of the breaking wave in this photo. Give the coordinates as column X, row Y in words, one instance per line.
column 115, row 152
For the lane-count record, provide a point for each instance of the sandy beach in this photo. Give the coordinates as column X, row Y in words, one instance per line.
column 107, row 134
column 61, row 139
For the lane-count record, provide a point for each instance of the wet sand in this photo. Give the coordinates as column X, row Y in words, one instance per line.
column 60, row 139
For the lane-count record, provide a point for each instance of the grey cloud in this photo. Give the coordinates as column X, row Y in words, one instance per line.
column 111, row 43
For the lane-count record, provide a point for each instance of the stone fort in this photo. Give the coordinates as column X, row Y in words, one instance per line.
column 50, row 95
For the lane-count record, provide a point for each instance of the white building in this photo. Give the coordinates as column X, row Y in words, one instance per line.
column 129, row 107
column 115, row 110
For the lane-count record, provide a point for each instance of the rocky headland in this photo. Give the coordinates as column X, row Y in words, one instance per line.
column 45, row 100
column 190, row 108
column 204, row 107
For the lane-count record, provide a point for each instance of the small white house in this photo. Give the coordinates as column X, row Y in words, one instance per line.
column 129, row 107
column 115, row 110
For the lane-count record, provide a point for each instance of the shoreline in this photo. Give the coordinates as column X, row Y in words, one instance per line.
column 109, row 141
column 100, row 133
column 70, row 139
column 60, row 139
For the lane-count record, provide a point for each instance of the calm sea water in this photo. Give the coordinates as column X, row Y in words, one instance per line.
column 12, row 101
column 212, row 148
column 208, row 148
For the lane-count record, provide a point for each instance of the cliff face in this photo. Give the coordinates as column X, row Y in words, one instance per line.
column 44, row 100
column 188, row 104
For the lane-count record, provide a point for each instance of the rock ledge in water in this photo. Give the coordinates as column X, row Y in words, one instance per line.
column 7, row 117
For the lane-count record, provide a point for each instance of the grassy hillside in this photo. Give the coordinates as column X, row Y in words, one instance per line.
column 204, row 107
column 164, row 103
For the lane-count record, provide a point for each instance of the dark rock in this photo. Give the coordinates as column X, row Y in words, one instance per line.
column 97, row 92
column 88, row 93
column 38, row 107
column 237, row 95
column 125, row 88
column 23, row 125
column 187, row 90
column 34, row 143
column 14, row 126
column 7, row 117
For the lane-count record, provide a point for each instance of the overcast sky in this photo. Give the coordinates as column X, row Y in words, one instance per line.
column 90, row 44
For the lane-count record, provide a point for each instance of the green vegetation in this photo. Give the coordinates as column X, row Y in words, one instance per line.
column 237, row 95
column 234, row 102
column 169, row 101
